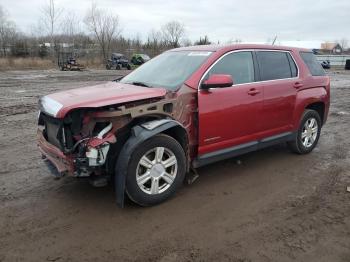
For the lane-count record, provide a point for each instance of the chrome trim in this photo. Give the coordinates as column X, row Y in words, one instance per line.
column 49, row 106
column 251, row 50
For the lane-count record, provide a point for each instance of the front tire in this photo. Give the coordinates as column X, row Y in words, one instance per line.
column 156, row 170
column 308, row 133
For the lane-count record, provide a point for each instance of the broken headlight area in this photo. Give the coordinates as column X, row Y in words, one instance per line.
column 87, row 141
column 93, row 151
column 90, row 159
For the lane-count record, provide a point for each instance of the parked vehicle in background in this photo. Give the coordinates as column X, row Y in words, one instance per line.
column 118, row 61
column 139, row 59
column 347, row 64
column 68, row 61
column 326, row 64
column 184, row 109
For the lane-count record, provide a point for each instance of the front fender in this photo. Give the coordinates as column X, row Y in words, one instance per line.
column 139, row 134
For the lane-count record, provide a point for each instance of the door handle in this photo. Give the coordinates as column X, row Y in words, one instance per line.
column 253, row 92
column 297, row 85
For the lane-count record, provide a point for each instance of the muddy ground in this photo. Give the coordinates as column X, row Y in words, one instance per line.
column 270, row 205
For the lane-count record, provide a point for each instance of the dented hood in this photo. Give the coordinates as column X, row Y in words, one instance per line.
column 109, row 93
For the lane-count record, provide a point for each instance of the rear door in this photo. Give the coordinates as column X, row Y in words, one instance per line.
column 279, row 75
column 229, row 116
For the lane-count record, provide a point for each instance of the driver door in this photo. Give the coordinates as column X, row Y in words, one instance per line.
column 230, row 116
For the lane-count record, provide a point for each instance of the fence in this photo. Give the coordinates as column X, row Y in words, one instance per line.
column 335, row 60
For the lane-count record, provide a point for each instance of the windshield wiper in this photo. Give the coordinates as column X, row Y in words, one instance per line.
column 136, row 83
column 118, row 79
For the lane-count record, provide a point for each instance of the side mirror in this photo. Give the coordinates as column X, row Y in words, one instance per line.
column 217, row 80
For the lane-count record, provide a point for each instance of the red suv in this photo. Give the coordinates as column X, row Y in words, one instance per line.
column 186, row 108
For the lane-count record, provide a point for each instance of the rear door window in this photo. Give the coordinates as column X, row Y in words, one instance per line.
column 239, row 65
column 274, row 65
column 312, row 63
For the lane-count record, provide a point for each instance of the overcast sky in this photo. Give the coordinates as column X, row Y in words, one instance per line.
column 225, row 20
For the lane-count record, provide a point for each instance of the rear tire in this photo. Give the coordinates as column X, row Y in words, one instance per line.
column 308, row 133
column 156, row 170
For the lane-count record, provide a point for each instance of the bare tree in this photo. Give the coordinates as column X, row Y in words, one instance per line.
column 8, row 32
column 71, row 27
column 186, row 42
column 173, row 32
column 344, row 44
column 155, row 38
column 105, row 26
column 154, row 42
column 51, row 14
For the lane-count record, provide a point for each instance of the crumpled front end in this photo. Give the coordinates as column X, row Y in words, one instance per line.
column 87, row 141
column 78, row 144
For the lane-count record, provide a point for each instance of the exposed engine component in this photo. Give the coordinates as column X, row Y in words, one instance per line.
column 97, row 155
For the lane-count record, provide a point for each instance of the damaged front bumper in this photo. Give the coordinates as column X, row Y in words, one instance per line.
column 63, row 163
column 84, row 164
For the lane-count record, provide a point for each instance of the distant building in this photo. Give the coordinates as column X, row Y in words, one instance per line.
column 331, row 48
column 45, row 45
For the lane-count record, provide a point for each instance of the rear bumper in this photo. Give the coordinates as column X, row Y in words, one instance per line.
column 64, row 164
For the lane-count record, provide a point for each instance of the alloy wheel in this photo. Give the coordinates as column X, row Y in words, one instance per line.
column 156, row 170
column 309, row 132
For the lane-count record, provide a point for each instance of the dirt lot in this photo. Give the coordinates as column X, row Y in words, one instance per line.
column 270, row 205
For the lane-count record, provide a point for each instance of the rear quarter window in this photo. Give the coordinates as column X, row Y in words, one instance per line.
column 311, row 62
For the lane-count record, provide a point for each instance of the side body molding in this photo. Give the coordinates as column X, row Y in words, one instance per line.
column 139, row 134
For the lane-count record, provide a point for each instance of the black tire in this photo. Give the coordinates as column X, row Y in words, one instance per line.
column 128, row 67
column 297, row 145
column 134, row 192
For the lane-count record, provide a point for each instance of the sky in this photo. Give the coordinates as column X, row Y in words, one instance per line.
column 224, row 21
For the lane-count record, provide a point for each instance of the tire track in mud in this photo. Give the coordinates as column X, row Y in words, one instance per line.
column 302, row 222
column 17, row 109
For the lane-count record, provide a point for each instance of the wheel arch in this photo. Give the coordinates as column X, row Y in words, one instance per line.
column 319, row 107
column 312, row 98
column 139, row 134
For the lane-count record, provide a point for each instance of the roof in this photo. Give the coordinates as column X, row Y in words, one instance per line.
column 214, row 48
column 297, row 43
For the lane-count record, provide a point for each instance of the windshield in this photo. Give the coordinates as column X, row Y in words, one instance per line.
column 168, row 70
